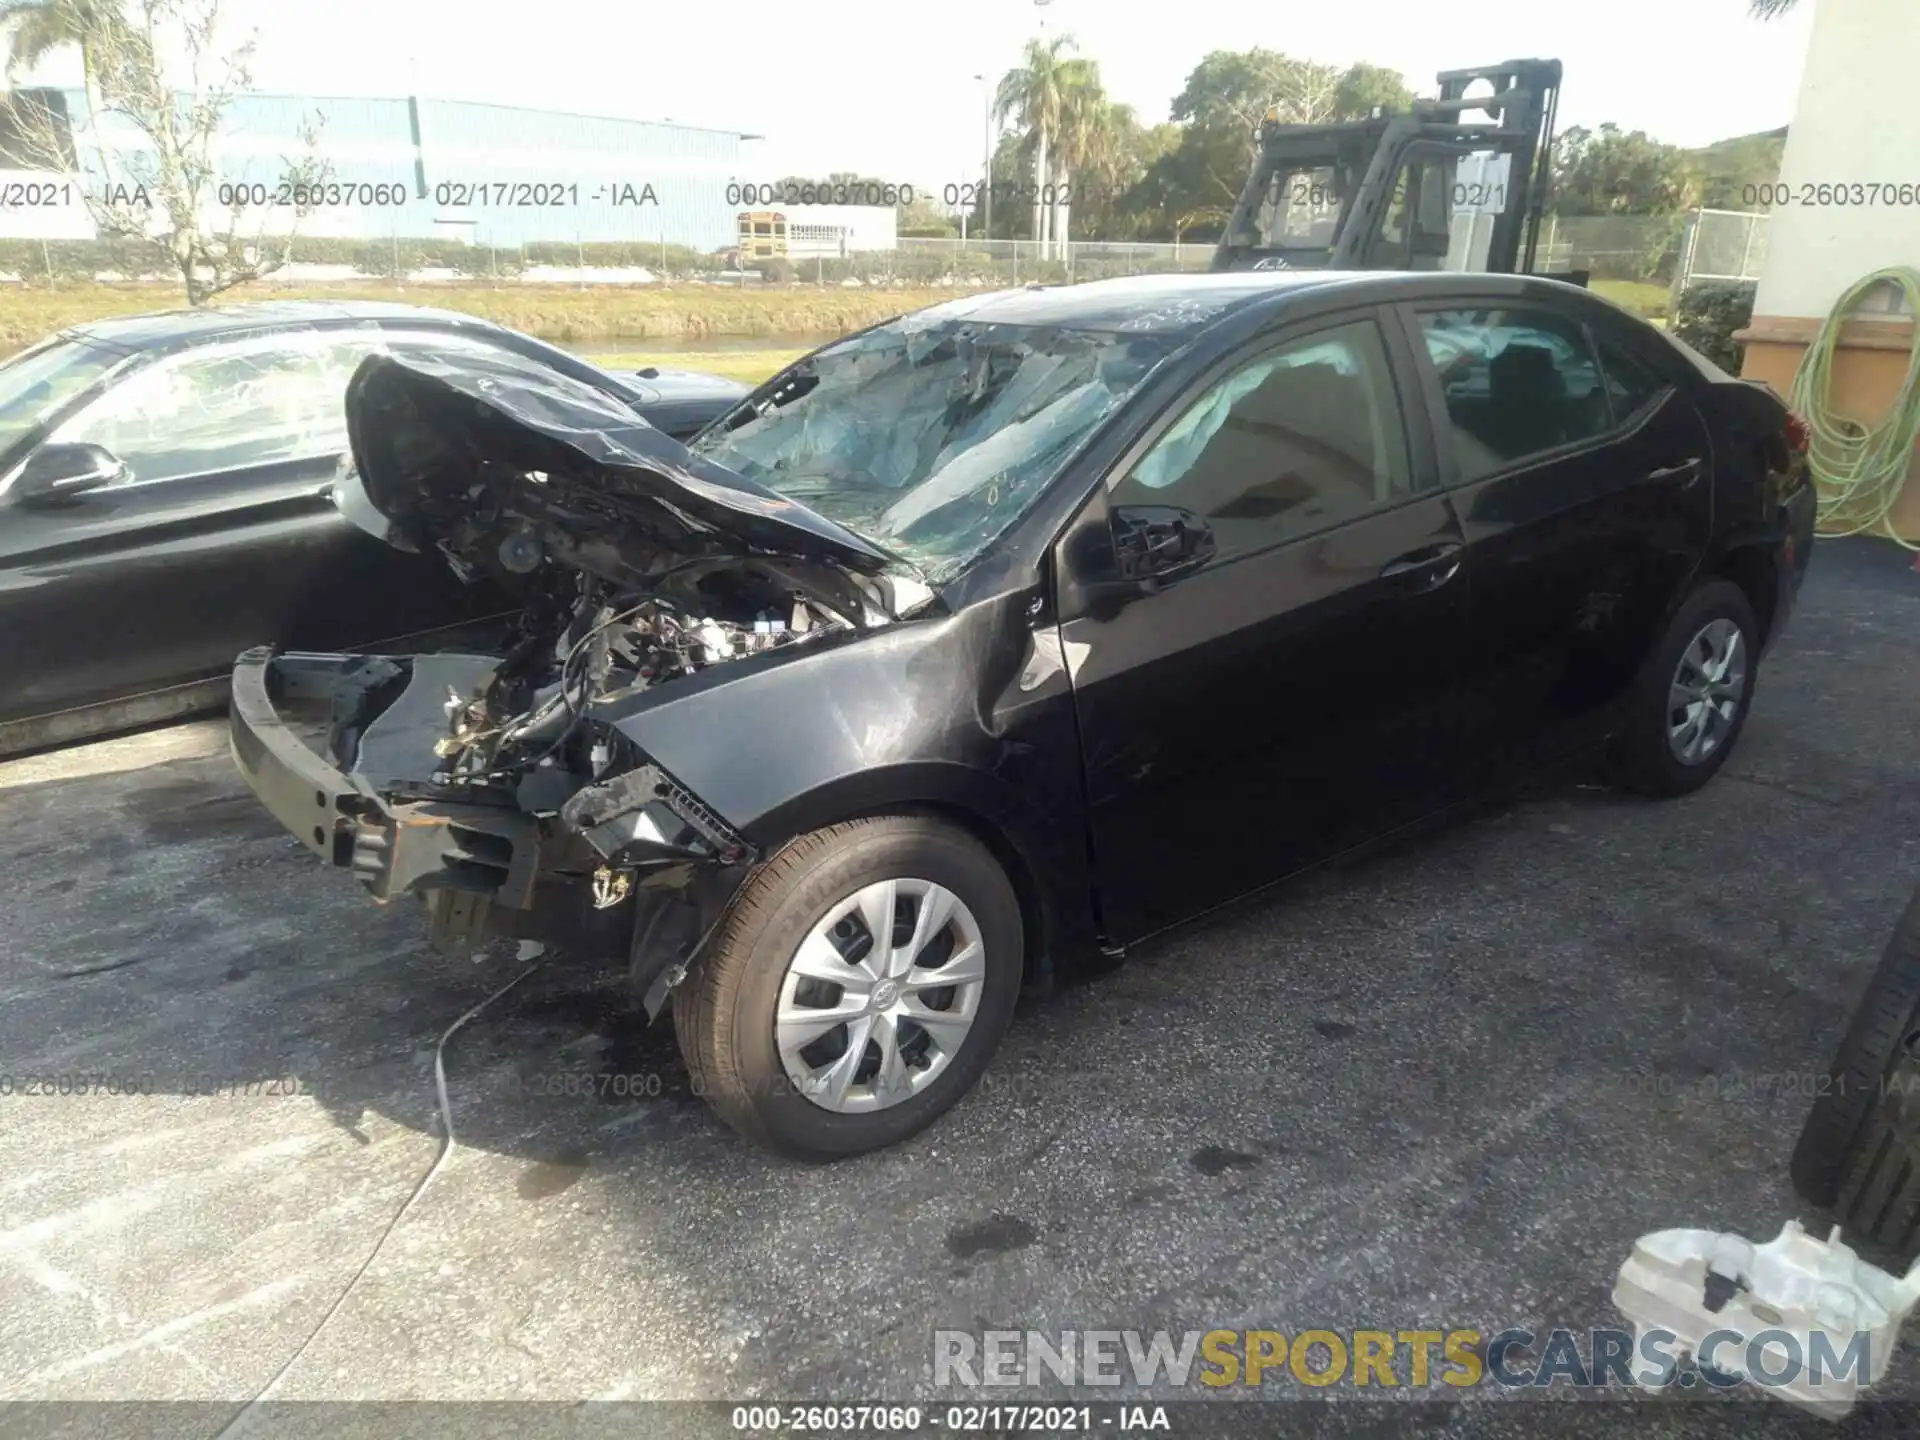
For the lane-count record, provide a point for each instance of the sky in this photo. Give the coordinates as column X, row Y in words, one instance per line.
column 888, row 88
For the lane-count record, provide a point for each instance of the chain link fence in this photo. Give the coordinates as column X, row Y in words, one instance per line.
column 914, row 261
column 1661, row 252
column 1634, row 248
column 1722, row 245
column 1639, row 249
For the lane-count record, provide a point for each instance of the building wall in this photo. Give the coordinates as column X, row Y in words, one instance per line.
column 1854, row 123
column 414, row 168
column 626, row 179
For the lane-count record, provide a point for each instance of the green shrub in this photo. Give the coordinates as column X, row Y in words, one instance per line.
column 1708, row 315
column 69, row 260
column 34, row 260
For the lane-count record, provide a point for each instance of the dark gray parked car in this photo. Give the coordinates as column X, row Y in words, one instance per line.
column 167, row 490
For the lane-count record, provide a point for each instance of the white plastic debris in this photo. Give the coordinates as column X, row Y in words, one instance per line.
column 1780, row 1294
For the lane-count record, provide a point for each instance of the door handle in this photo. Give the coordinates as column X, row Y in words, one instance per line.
column 1441, row 562
column 1687, row 470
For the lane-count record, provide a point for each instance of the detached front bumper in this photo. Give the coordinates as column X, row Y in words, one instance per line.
column 476, row 864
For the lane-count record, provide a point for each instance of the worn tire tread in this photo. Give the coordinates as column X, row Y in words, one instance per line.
column 1825, row 1154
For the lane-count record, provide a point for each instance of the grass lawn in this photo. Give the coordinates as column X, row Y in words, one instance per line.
column 552, row 312
column 1648, row 300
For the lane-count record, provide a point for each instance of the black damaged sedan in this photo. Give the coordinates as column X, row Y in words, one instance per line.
column 1018, row 629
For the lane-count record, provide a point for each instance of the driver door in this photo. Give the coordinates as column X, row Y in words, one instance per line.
column 1263, row 614
column 220, row 534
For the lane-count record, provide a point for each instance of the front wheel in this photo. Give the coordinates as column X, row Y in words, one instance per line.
column 856, row 989
column 1692, row 697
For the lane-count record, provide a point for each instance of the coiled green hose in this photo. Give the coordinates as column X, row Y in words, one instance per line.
column 1858, row 470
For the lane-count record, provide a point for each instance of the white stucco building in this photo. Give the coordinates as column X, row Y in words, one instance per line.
column 1850, row 207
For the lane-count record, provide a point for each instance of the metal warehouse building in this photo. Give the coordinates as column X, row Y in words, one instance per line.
column 494, row 174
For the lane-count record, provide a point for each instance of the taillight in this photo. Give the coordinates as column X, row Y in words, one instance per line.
column 1798, row 438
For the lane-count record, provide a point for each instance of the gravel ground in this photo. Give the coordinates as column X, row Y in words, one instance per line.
column 1443, row 1088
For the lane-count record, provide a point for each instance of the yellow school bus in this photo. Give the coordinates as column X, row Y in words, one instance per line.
column 763, row 234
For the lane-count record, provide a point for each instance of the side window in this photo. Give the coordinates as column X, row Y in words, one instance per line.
column 1298, row 439
column 1631, row 385
column 224, row 409
column 1517, row 382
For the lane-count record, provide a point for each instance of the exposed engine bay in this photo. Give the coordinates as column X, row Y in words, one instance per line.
column 534, row 729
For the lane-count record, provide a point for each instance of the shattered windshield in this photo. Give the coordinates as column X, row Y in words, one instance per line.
column 929, row 437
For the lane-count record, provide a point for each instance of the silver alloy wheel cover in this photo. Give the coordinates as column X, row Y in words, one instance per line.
column 1708, row 686
column 880, row 1002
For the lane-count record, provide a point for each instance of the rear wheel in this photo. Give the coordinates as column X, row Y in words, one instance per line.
column 856, row 989
column 1692, row 697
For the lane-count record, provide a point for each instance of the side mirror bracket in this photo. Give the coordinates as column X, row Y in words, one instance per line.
column 55, row 474
column 1156, row 543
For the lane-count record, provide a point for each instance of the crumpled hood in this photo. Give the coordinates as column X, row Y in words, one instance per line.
column 424, row 428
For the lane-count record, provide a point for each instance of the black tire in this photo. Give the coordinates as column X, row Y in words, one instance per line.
column 1645, row 761
column 723, row 1013
column 1856, row 1152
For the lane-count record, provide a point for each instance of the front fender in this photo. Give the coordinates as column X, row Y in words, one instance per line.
column 961, row 712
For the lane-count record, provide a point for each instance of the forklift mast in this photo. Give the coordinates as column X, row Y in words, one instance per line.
column 1391, row 192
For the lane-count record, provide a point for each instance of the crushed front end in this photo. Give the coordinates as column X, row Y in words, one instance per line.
column 496, row 788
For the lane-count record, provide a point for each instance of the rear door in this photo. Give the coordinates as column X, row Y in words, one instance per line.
column 1283, row 681
column 1583, row 483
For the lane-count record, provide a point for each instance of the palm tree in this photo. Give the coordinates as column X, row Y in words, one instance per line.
column 1034, row 97
column 36, row 28
column 1094, row 135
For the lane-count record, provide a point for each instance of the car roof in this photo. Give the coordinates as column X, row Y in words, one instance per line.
column 1169, row 304
column 170, row 329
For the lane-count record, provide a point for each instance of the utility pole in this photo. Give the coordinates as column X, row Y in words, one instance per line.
column 986, row 110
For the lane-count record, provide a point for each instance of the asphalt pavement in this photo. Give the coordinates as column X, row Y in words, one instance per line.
column 1443, row 1088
